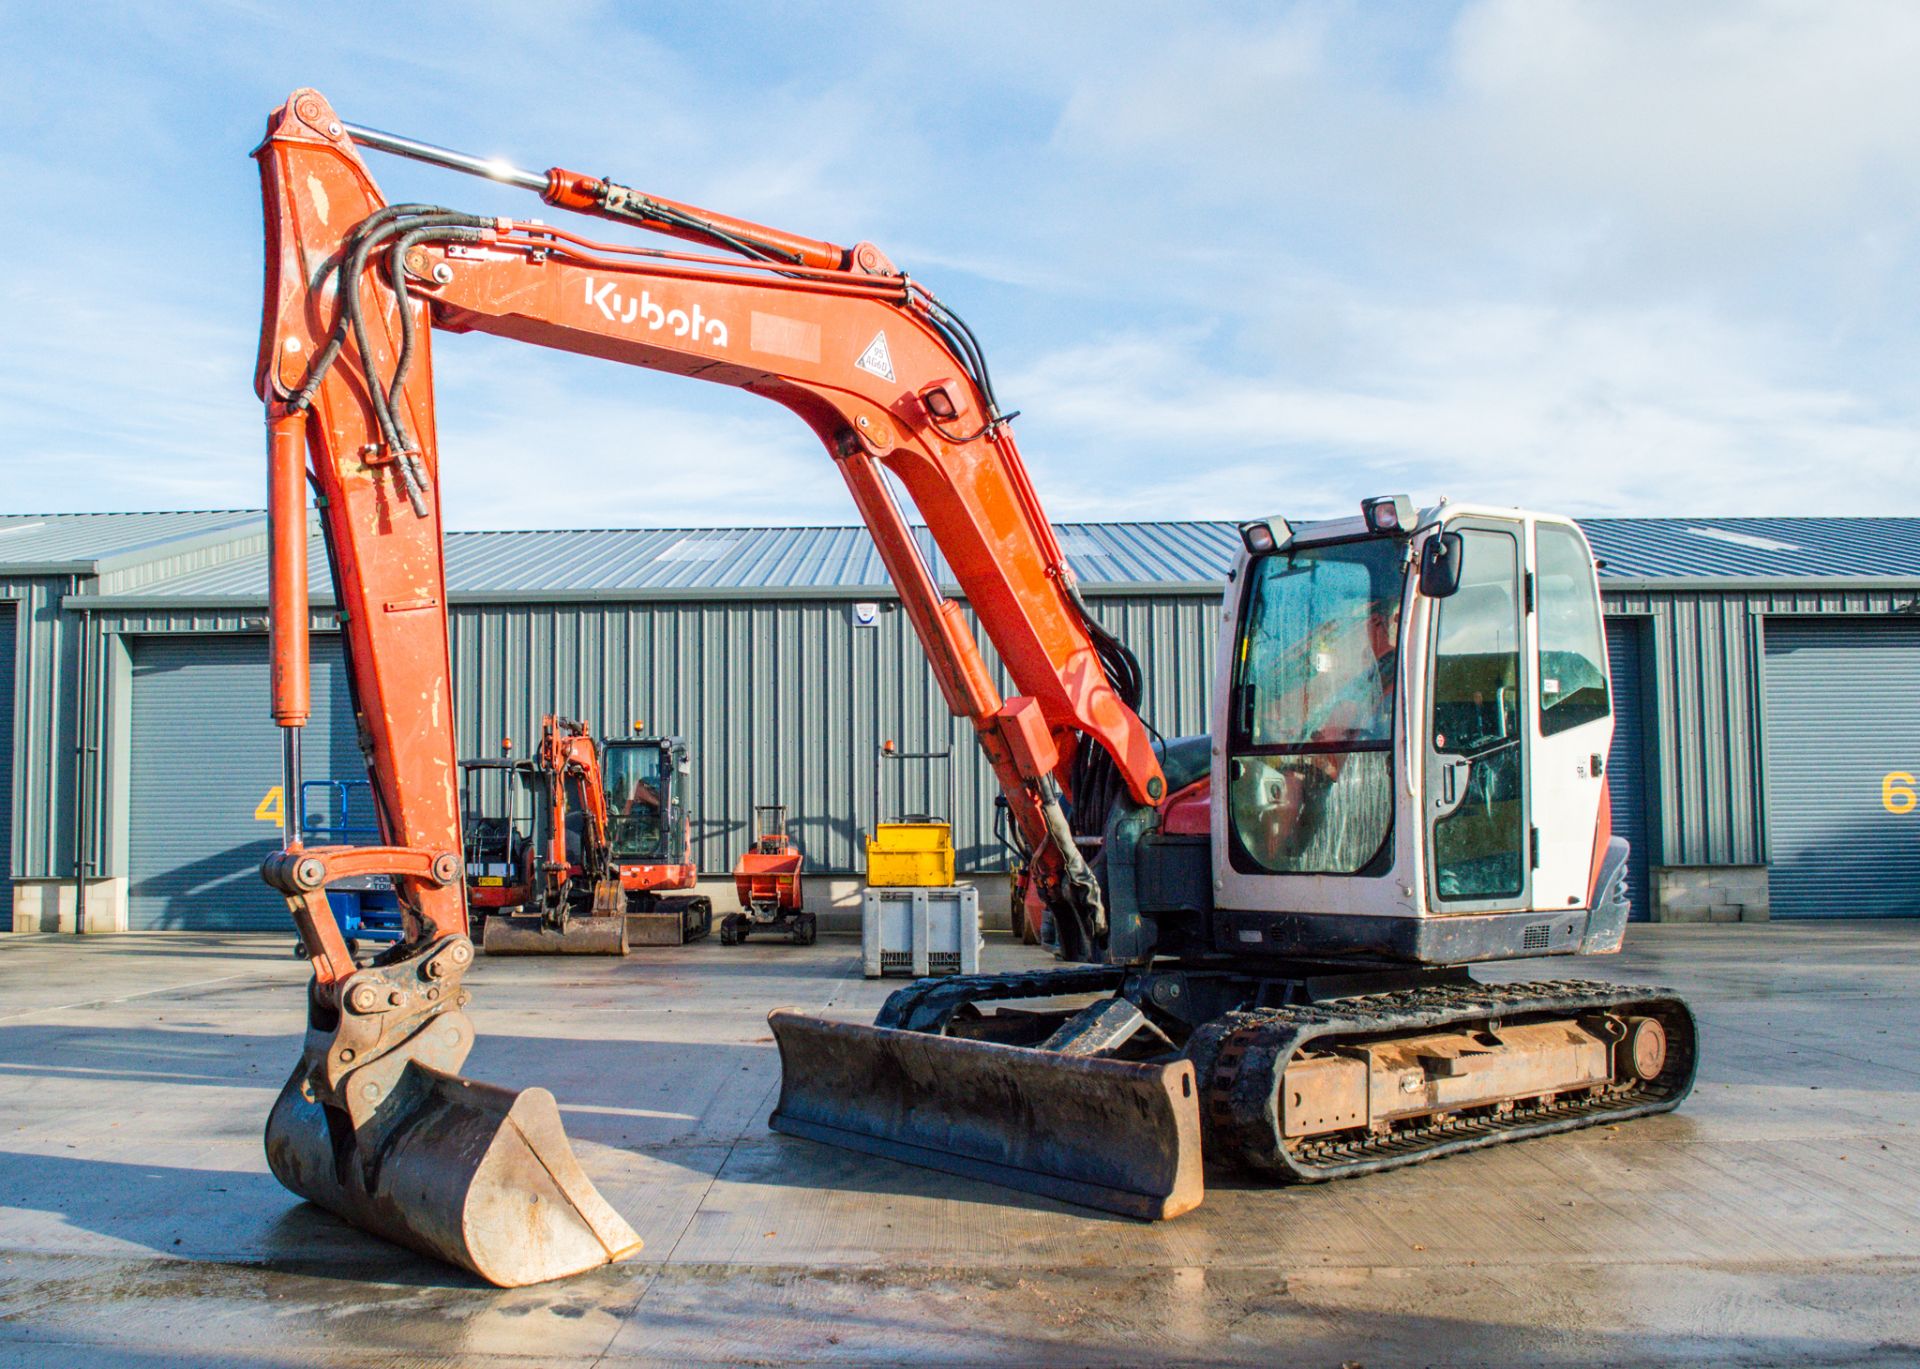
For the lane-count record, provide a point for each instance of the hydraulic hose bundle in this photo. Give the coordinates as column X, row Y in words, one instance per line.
column 410, row 224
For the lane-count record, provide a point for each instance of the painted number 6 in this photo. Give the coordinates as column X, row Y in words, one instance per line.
column 1897, row 794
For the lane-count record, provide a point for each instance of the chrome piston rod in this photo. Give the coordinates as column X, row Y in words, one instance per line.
column 489, row 168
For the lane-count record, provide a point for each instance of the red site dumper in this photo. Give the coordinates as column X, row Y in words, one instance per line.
column 766, row 879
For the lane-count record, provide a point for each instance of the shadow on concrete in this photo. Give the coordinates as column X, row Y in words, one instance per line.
column 240, row 1218
column 150, row 1055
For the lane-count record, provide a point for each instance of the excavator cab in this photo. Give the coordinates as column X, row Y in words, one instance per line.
column 1416, row 724
column 646, row 821
column 651, row 837
column 1406, row 777
column 500, row 803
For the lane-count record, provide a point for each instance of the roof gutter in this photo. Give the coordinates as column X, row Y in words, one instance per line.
column 162, row 603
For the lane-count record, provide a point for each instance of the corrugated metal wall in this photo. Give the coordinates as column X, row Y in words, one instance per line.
column 46, row 654
column 781, row 701
column 787, row 695
column 47, row 648
column 1708, row 767
column 8, row 613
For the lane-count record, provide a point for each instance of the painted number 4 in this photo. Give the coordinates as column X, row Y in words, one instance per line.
column 1897, row 792
column 271, row 808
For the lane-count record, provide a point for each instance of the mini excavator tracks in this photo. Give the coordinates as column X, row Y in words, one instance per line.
column 1641, row 1059
column 1329, row 1089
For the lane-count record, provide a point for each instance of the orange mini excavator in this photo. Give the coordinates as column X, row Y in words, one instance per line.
column 1267, row 929
column 578, row 907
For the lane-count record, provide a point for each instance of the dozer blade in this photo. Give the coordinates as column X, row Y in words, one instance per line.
column 531, row 935
column 1109, row 1134
column 481, row 1176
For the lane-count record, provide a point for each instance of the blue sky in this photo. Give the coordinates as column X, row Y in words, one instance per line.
column 1236, row 259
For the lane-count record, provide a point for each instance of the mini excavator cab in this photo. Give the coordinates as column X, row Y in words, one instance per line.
column 1414, row 723
column 646, row 818
column 500, row 803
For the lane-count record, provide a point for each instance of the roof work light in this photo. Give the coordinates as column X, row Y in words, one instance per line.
column 1388, row 513
column 1265, row 535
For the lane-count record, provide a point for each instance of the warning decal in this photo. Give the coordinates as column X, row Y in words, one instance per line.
column 877, row 359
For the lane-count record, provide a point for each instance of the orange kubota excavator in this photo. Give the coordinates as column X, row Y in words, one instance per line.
column 579, row 906
column 1268, row 928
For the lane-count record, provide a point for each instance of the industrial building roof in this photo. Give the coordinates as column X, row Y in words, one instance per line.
column 727, row 562
column 1756, row 548
column 717, row 562
column 87, row 543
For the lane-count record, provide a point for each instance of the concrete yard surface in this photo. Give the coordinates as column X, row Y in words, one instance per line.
column 1775, row 1219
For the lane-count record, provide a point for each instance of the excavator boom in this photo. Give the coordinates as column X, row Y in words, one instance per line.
column 896, row 389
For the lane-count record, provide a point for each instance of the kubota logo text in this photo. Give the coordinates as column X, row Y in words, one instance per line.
column 685, row 323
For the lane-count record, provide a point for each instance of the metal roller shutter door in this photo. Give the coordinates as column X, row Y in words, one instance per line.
column 205, row 755
column 1843, row 712
column 8, row 611
column 1627, row 760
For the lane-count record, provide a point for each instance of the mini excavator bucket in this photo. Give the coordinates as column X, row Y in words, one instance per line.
column 377, row 1125
column 1110, row 1134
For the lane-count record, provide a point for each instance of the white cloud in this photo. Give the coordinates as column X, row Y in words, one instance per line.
column 523, row 444
column 1653, row 411
column 1608, row 256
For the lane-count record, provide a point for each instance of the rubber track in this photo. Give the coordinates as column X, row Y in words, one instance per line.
column 1240, row 1056
column 927, row 1005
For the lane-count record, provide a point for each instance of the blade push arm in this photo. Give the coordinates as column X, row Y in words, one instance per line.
column 886, row 378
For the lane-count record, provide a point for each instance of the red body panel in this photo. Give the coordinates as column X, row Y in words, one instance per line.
column 653, row 879
column 769, row 879
column 1189, row 813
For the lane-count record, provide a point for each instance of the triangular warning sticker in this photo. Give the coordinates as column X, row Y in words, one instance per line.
column 877, row 359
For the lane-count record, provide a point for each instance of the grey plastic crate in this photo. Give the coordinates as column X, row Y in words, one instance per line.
column 919, row 932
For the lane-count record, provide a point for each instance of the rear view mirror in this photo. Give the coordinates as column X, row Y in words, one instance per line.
column 1440, row 563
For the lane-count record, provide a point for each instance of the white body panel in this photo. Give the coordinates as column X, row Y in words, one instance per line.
column 1563, row 793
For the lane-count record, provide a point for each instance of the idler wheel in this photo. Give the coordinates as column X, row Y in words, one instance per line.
column 1646, row 1048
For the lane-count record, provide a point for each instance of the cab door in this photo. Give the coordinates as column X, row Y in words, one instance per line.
column 1477, row 795
column 1573, row 718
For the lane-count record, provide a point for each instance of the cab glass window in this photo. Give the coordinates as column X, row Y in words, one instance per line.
column 1479, row 837
column 1310, row 773
column 636, row 800
column 1573, row 642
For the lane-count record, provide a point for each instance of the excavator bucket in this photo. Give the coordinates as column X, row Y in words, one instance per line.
column 1109, row 1134
column 481, row 1176
column 531, row 934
